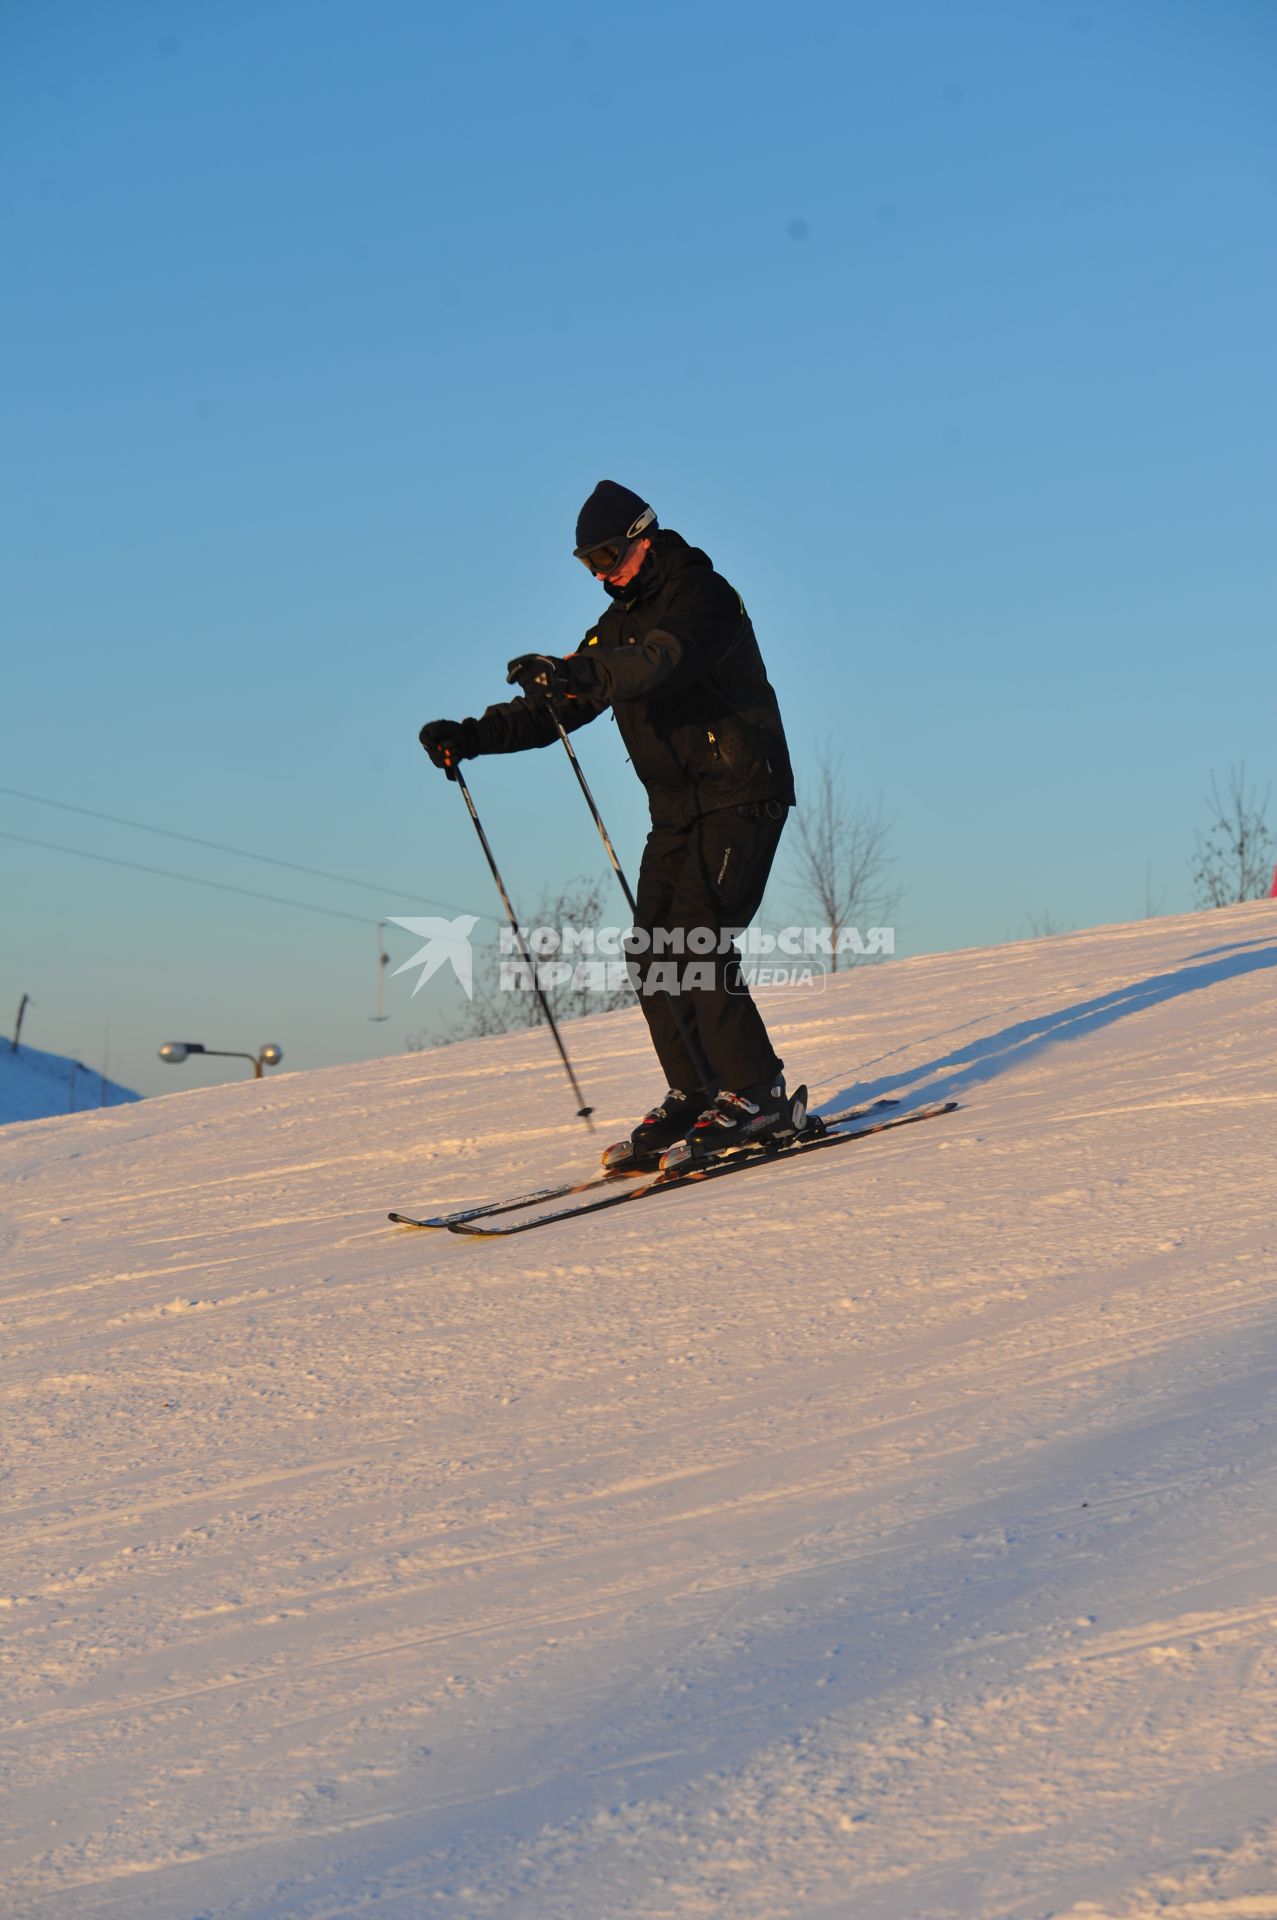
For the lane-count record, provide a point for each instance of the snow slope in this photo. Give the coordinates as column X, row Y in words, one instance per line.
column 35, row 1084
column 891, row 1535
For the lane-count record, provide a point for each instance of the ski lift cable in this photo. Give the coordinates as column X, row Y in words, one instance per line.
column 192, row 879
column 241, row 853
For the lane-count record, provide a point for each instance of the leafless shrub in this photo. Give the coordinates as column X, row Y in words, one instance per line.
column 1044, row 925
column 843, row 863
column 1233, row 856
column 582, row 903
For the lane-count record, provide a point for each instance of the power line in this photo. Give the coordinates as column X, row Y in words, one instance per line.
column 220, row 846
column 193, row 880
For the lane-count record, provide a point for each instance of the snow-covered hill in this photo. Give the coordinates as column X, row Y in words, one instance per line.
column 891, row 1536
column 34, row 1085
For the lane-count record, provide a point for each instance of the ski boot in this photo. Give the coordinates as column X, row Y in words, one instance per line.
column 752, row 1117
column 657, row 1130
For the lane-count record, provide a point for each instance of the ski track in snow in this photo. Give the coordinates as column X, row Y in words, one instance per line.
column 891, row 1536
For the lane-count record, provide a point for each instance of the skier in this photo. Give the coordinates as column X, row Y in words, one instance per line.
column 676, row 659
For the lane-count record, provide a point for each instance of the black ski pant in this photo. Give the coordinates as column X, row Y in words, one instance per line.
column 695, row 881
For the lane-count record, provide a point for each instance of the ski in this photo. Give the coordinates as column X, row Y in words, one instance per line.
column 735, row 1160
column 601, row 1177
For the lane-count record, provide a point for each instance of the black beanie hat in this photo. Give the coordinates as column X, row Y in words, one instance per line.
column 610, row 512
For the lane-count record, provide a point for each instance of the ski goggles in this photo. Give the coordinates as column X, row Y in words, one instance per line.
column 607, row 556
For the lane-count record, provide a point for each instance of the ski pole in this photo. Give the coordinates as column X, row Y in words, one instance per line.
column 583, row 1112
column 696, row 1053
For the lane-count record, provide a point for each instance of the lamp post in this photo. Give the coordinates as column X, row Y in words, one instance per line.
column 383, row 961
column 175, row 1051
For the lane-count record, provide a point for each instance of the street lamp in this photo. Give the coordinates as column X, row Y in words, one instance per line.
column 175, row 1051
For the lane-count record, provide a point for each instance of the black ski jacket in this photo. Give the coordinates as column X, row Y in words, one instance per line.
column 679, row 665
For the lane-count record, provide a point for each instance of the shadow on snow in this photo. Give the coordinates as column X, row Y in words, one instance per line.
column 966, row 1067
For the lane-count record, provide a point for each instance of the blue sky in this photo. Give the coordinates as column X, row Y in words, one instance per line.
column 945, row 326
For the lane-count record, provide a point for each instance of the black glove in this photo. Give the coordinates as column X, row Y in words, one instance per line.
column 447, row 741
column 541, row 677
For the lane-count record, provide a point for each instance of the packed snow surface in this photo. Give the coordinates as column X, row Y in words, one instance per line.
column 34, row 1084
column 890, row 1535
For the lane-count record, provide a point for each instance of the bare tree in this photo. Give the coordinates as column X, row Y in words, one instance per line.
column 1233, row 857
column 1153, row 907
column 843, row 863
column 494, row 1009
column 1044, row 925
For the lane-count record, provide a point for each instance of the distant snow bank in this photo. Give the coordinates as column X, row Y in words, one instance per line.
column 35, row 1085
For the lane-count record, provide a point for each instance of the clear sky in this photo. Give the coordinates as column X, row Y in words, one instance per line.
column 946, row 326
